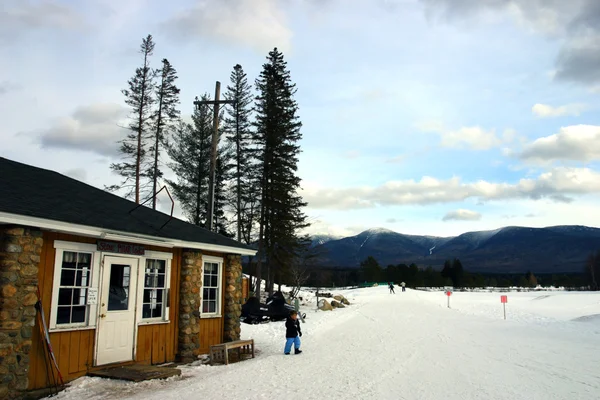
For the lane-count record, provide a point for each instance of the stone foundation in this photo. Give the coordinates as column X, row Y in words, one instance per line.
column 233, row 298
column 189, row 305
column 20, row 250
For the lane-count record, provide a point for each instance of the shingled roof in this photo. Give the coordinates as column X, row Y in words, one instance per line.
column 35, row 192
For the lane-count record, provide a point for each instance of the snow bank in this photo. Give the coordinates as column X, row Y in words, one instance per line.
column 405, row 346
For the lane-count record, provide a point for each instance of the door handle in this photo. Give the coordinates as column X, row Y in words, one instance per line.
column 102, row 315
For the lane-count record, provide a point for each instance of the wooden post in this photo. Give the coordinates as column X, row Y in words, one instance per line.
column 213, row 159
column 213, row 151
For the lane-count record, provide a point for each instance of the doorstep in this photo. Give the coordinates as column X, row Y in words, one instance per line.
column 136, row 373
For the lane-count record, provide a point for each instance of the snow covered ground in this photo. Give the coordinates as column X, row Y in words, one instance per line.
column 405, row 346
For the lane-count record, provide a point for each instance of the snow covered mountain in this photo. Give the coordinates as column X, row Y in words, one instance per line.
column 322, row 239
column 509, row 249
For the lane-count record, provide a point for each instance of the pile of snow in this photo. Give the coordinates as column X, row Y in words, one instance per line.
column 407, row 345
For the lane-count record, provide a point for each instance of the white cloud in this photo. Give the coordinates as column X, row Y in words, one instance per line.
column 576, row 23
column 392, row 220
column 462, row 215
column 546, row 111
column 24, row 16
column 572, row 143
column 94, row 128
column 6, row 86
column 558, row 185
column 260, row 24
column 473, row 137
column 79, row 174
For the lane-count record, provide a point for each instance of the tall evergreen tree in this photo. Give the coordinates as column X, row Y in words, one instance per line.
column 457, row 273
column 165, row 116
column 592, row 270
column 237, row 128
column 190, row 152
column 140, row 97
column 276, row 137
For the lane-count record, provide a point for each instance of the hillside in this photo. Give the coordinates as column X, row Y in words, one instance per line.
column 506, row 250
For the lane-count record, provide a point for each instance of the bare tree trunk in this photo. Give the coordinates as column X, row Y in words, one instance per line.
column 138, row 160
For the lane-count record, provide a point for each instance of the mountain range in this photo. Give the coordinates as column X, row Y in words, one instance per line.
column 512, row 249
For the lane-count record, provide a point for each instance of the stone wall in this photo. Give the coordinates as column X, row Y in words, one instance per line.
column 20, row 250
column 189, row 305
column 233, row 298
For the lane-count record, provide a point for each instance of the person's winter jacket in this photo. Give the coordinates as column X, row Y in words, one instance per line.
column 292, row 328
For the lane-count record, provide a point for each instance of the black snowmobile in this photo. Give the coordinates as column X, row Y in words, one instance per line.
column 276, row 309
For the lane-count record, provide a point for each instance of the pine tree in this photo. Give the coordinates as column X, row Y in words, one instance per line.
column 531, row 279
column 447, row 270
column 140, row 97
column 276, row 137
column 190, row 152
column 237, row 127
column 457, row 273
column 165, row 116
column 592, row 270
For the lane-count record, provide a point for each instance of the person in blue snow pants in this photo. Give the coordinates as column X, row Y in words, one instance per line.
column 292, row 333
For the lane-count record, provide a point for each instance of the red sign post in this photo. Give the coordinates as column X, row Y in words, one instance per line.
column 448, row 294
column 504, row 300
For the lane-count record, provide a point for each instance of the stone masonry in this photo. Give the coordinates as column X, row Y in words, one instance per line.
column 20, row 250
column 189, row 304
column 233, row 298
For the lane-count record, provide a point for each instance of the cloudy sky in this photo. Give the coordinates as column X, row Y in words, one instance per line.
column 421, row 116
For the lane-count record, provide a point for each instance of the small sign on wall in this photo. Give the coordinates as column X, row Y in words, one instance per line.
column 121, row 248
column 92, row 297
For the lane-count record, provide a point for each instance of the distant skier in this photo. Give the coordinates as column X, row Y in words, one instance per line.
column 403, row 286
column 292, row 333
column 392, row 288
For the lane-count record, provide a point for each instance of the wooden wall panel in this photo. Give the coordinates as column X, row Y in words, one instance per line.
column 74, row 346
column 86, row 343
column 245, row 290
column 74, row 350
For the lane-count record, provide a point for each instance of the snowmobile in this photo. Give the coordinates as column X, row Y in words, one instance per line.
column 276, row 309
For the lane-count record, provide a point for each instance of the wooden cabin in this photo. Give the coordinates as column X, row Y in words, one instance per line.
column 118, row 283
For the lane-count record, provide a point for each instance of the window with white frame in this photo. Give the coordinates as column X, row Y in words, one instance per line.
column 211, row 286
column 75, row 279
column 75, row 271
column 155, row 290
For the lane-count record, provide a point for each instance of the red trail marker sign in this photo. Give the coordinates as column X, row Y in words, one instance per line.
column 504, row 300
column 448, row 294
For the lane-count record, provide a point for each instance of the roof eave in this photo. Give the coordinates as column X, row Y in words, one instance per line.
column 101, row 233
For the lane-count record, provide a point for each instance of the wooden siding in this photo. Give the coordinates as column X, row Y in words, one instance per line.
column 245, row 289
column 74, row 350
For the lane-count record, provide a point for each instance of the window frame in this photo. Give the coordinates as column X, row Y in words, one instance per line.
column 60, row 248
column 218, row 311
column 154, row 255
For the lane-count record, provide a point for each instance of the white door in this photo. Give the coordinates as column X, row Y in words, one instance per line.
column 116, row 321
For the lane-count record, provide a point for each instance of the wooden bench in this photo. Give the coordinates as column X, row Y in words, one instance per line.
column 220, row 352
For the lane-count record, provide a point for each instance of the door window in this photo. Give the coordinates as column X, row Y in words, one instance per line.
column 118, row 293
